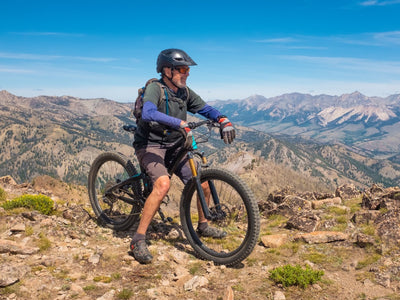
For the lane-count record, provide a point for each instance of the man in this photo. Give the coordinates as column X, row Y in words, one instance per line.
column 156, row 143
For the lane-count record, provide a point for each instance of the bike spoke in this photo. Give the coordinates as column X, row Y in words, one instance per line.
column 112, row 191
column 233, row 211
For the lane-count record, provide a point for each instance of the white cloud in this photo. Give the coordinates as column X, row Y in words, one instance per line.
column 385, row 38
column 15, row 71
column 392, row 37
column 278, row 40
column 376, row 66
column 28, row 56
column 61, row 34
column 379, row 3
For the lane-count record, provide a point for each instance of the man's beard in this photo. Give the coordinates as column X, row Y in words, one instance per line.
column 180, row 83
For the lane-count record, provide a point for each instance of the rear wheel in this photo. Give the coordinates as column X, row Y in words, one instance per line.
column 117, row 208
column 237, row 214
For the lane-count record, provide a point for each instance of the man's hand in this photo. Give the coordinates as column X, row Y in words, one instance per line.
column 226, row 130
column 187, row 133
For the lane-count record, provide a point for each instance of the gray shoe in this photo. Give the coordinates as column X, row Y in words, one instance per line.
column 212, row 232
column 141, row 252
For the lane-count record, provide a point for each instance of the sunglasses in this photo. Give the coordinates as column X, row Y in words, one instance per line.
column 182, row 70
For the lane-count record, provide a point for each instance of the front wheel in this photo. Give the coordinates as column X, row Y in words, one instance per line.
column 115, row 207
column 234, row 210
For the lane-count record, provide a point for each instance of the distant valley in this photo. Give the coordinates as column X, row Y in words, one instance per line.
column 60, row 136
column 367, row 125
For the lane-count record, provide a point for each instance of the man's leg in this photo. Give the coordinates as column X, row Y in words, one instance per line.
column 203, row 229
column 152, row 204
column 153, row 160
column 207, row 194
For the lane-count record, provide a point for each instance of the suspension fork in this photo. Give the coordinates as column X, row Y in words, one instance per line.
column 199, row 188
column 211, row 185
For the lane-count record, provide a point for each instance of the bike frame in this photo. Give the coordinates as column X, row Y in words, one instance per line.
column 196, row 176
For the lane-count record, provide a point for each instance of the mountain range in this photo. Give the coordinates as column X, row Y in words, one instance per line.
column 367, row 125
column 60, row 136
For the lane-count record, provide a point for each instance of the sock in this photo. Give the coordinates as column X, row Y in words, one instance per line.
column 202, row 226
column 138, row 237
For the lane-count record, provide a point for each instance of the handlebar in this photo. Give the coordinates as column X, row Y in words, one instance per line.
column 192, row 125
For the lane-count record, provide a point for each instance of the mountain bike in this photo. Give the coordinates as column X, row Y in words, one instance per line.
column 118, row 191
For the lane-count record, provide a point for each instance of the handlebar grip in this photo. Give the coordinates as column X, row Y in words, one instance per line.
column 193, row 125
column 130, row 128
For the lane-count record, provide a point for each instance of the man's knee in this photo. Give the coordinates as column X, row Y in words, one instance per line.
column 161, row 185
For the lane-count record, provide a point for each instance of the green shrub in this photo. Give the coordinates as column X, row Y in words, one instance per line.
column 3, row 195
column 40, row 203
column 43, row 242
column 295, row 275
column 125, row 294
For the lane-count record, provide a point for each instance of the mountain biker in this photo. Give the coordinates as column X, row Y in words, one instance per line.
column 156, row 143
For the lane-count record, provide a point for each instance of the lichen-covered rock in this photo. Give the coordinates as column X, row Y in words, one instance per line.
column 365, row 216
column 318, row 237
column 347, row 191
column 388, row 226
column 279, row 196
column 305, row 221
column 293, row 205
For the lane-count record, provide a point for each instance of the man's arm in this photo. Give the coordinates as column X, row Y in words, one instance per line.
column 209, row 112
column 150, row 113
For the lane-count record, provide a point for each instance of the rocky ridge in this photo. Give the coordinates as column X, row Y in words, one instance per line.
column 352, row 236
column 60, row 137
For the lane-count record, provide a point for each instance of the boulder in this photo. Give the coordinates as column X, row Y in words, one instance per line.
column 266, row 206
column 318, row 237
column 7, row 180
column 388, row 226
column 347, row 191
column 10, row 274
column 292, row 205
column 365, row 216
column 305, row 221
column 364, row 240
column 326, row 202
column 377, row 198
column 7, row 246
column 274, row 240
column 279, row 196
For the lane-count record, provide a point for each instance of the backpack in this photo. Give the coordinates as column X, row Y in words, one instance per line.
column 138, row 105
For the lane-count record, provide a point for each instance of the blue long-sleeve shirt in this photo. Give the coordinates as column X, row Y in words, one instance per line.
column 150, row 113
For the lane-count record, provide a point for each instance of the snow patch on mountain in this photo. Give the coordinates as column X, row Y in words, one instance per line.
column 363, row 113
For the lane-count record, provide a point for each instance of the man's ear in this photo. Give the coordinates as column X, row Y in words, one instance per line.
column 167, row 71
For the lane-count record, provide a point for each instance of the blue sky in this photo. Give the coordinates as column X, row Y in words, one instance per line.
column 108, row 49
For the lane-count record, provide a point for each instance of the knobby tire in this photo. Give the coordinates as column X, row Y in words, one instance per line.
column 107, row 170
column 240, row 218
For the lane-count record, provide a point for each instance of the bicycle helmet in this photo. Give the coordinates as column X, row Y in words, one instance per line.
column 173, row 57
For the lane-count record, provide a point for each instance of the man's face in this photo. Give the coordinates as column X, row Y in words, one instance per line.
column 179, row 75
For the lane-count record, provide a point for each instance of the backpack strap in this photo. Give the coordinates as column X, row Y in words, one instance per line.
column 166, row 101
column 164, row 90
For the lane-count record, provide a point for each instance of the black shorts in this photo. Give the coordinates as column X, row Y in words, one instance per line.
column 155, row 160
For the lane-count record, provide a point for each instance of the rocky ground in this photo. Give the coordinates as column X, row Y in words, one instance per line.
column 353, row 237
